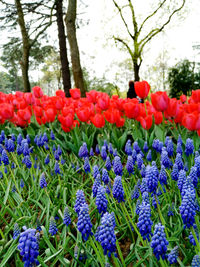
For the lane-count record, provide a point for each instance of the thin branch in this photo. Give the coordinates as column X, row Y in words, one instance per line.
column 122, row 17
column 125, row 44
column 151, row 15
column 42, row 31
column 133, row 19
column 154, row 32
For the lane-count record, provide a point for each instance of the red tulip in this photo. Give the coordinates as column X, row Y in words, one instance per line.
column 50, row 115
column 65, row 129
column 103, row 101
column 172, row 108
column 142, row 89
column 75, row 93
column 183, row 98
column 112, row 115
column 83, row 114
column 160, row 101
column 132, row 110
column 37, row 91
column 98, row 120
column 189, row 122
column 158, row 116
column 28, row 98
column 92, row 96
column 120, row 122
column 60, row 93
column 6, row 111
column 38, row 111
column 195, row 97
column 24, row 114
column 146, row 122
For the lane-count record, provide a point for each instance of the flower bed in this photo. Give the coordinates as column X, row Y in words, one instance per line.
column 132, row 205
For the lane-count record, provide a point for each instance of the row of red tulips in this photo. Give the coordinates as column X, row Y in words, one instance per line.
column 97, row 107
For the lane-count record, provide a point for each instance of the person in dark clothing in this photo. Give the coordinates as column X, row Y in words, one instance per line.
column 131, row 91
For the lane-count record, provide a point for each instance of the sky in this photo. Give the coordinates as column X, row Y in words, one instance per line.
column 101, row 56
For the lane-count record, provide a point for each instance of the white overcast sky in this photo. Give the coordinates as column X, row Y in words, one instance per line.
column 98, row 51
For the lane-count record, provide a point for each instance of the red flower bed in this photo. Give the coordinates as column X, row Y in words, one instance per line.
column 98, row 107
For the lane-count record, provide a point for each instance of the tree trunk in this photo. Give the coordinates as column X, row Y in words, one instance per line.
column 75, row 56
column 63, row 48
column 26, row 47
column 136, row 71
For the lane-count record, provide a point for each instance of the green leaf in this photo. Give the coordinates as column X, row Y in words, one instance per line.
column 9, row 253
column 159, row 132
column 122, row 140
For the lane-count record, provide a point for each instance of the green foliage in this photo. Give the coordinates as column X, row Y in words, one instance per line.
column 98, row 84
column 183, row 78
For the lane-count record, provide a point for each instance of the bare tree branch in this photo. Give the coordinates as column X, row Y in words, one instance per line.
column 122, row 17
column 151, row 15
column 154, row 32
column 125, row 44
column 45, row 27
column 135, row 25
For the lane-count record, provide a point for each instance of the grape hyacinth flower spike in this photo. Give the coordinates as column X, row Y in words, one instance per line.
column 84, row 224
column 80, row 200
column 66, row 219
column 28, row 246
column 118, row 191
column 159, row 242
column 106, row 235
column 101, row 200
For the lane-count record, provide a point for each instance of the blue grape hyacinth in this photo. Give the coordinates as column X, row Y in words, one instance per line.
column 86, row 165
column 16, row 231
column 83, row 151
column 118, row 191
column 129, row 165
column 106, row 235
column 66, row 219
column 163, row 175
column 103, row 153
column 43, row 182
column 189, row 147
column 84, row 224
column 101, row 200
column 105, row 176
column 196, row 261
column 159, row 242
column 28, row 246
column 95, row 171
column 52, row 226
column 144, row 221
column 108, row 163
column 96, row 185
column 151, row 179
column 117, row 166
column 4, row 157
column 149, row 156
column 188, row 209
column 80, row 200
column 179, row 161
column 173, row 255
column 175, row 172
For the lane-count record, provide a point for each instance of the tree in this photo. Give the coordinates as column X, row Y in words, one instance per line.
column 63, row 49
column 183, row 79
column 32, row 27
column 52, row 73
column 139, row 36
column 70, row 20
column 11, row 59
